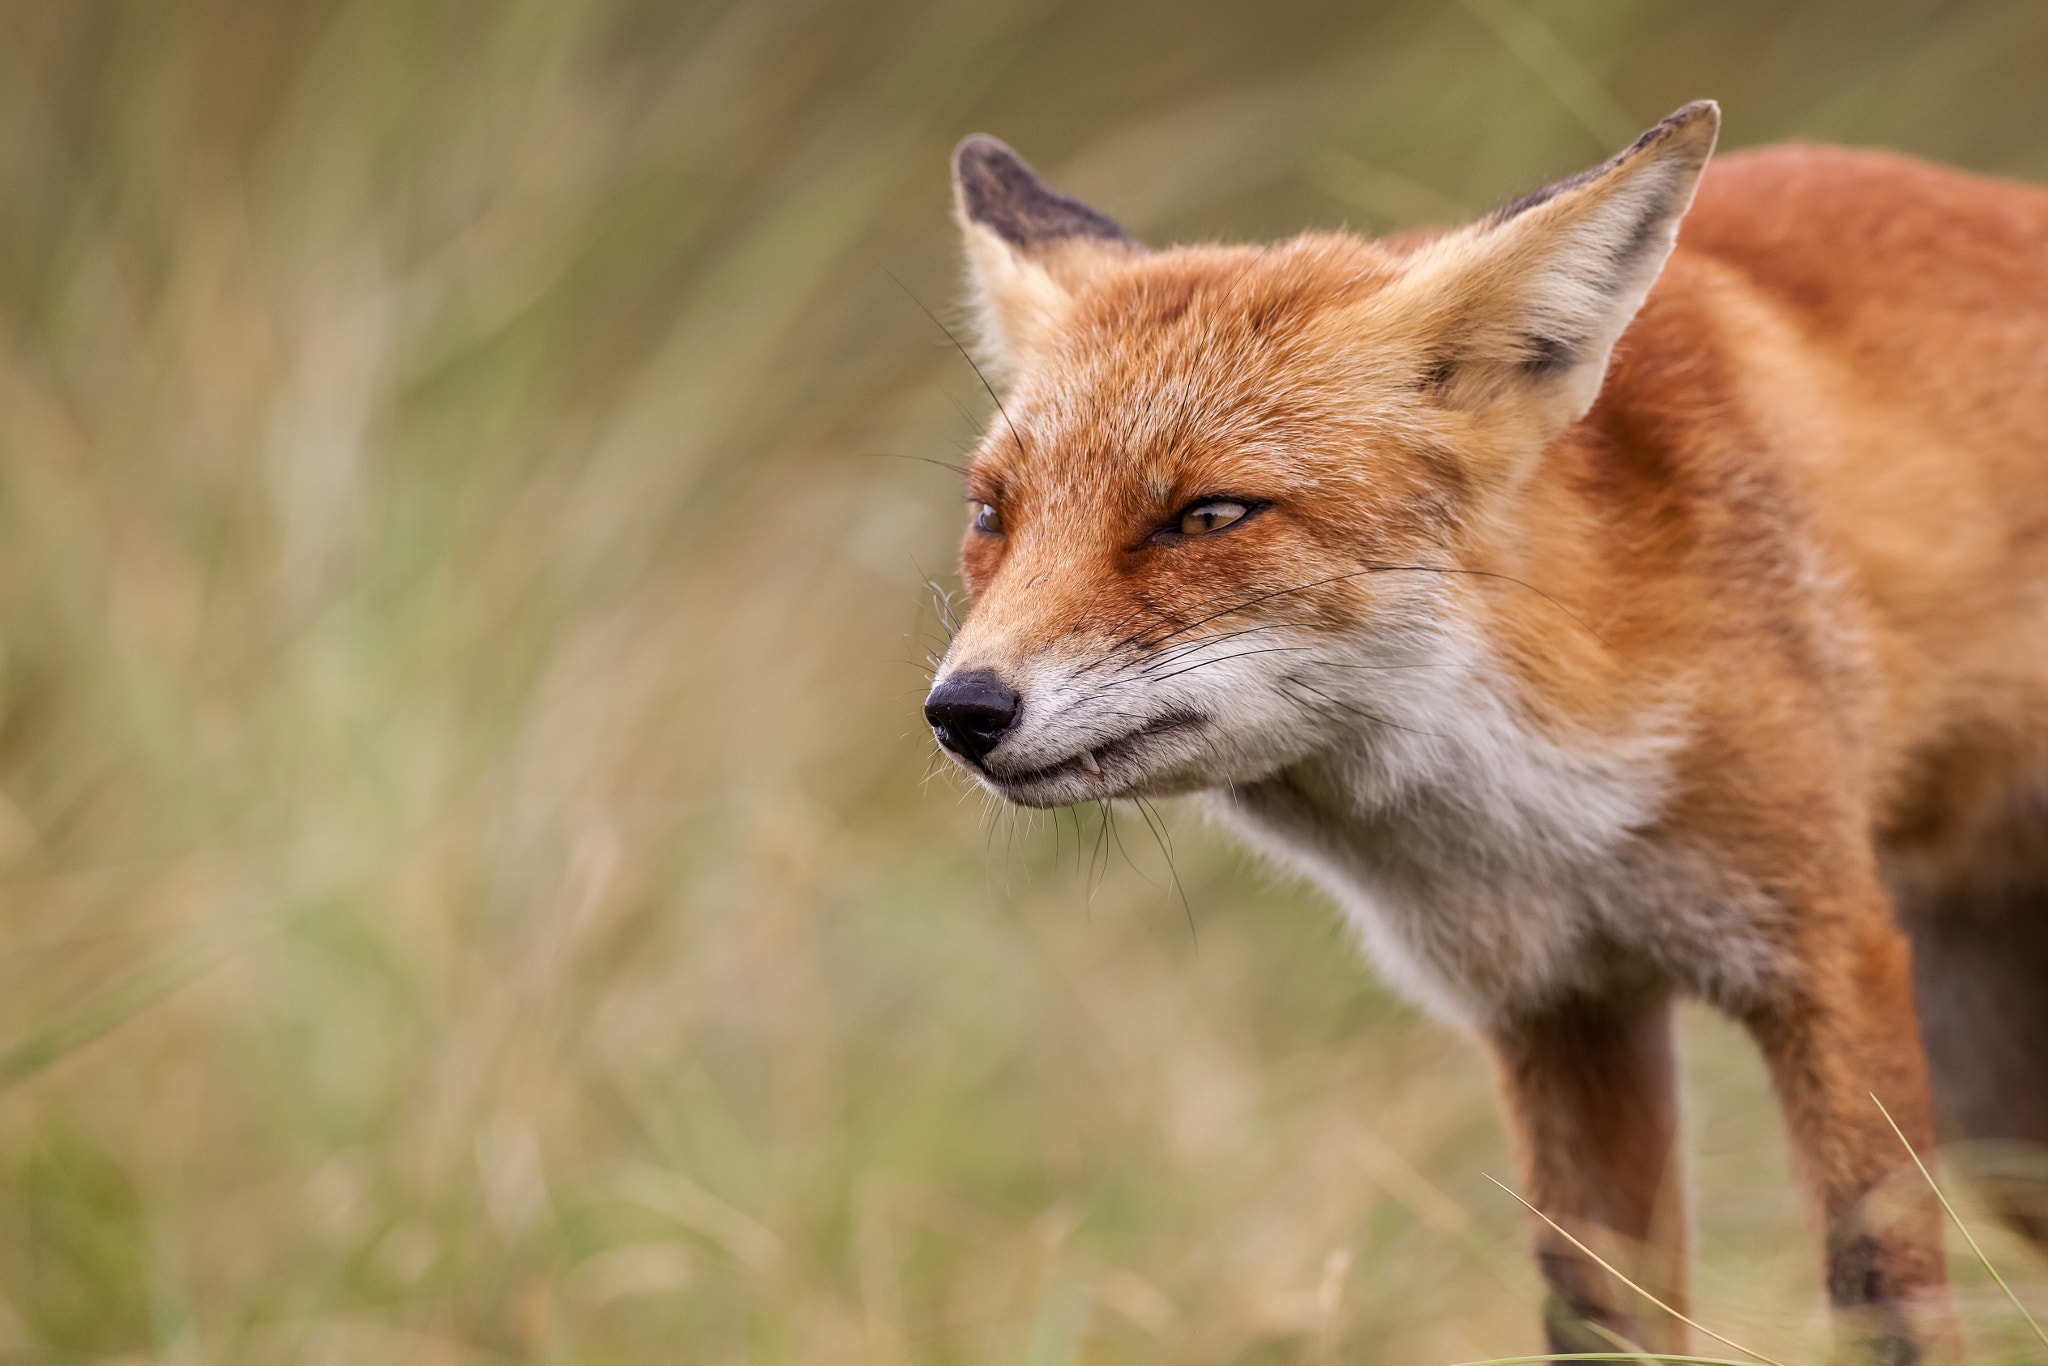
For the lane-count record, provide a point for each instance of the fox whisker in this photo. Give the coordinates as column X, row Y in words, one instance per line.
column 1147, row 677
column 1359, row 712
column 967, row 356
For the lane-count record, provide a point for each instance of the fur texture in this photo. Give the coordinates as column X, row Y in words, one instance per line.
column 1604, row 602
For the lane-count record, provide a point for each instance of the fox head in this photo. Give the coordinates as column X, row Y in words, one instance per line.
column 1215, row 525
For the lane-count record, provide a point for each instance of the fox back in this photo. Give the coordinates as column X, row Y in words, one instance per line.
column 1642, row 591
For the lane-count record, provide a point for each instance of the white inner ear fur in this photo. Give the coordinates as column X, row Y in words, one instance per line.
column 1017, row 303
column 1567, row 274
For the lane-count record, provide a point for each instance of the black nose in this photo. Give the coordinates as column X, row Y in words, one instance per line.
column 971, row 712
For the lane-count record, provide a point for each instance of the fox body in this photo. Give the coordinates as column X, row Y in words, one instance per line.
column 1642, row 591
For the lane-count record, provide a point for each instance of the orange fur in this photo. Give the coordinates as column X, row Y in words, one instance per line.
column 1592, row 642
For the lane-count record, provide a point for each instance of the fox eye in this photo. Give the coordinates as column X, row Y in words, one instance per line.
column 987, row 519
column 1210, row 516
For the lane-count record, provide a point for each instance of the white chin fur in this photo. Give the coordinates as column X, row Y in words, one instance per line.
column 1477, row 854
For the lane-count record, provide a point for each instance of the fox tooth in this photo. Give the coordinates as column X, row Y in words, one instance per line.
column 1088, row 761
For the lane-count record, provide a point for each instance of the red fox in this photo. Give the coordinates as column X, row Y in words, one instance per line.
column 1640, row 591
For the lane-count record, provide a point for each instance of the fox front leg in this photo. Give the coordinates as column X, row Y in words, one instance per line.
column 1845, row 1034
column 1591, row 1090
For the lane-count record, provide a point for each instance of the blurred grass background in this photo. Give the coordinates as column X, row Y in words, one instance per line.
column 470, row 888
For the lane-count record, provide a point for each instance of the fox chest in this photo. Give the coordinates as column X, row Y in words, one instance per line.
column 1491, row 887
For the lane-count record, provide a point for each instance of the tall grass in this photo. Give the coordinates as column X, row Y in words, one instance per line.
column 470, row 885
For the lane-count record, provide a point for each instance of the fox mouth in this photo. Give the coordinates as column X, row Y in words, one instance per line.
column 1102, row 770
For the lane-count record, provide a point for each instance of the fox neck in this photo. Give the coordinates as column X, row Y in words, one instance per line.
column 1451, row 767
column 1502, row 769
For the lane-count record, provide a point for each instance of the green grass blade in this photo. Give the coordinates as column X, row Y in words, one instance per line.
column 1956, row 1219
column 1574, row 87
column 96, row 1016
column 1634, row 1356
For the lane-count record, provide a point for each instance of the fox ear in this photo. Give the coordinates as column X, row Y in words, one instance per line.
column 1027, row 248
column 1525, row 306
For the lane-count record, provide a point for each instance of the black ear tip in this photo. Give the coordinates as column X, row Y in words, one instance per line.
column 978, row 150
column 1701, row 118
column 981, row 161
column 998, row 190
